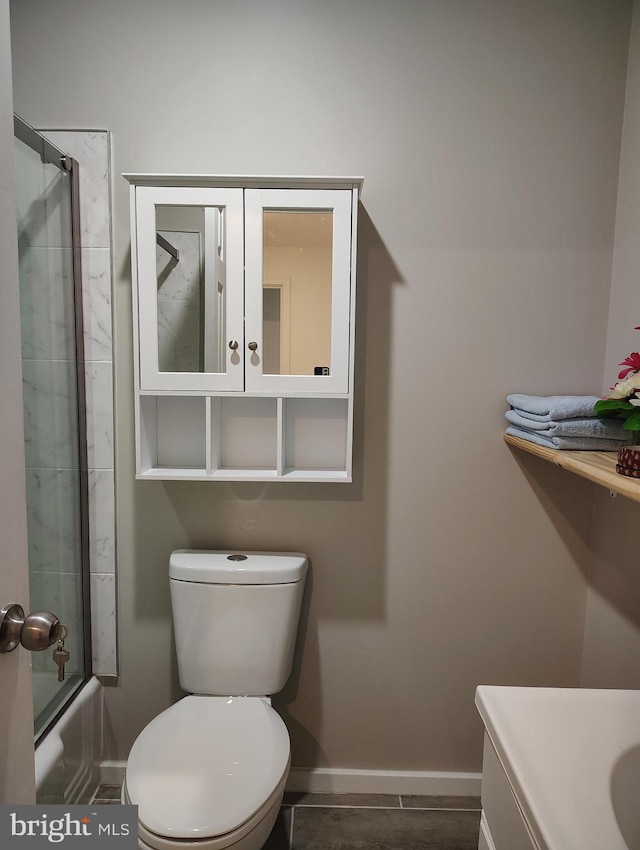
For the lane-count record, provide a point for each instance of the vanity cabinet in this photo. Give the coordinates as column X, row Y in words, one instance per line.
column 502, row 825
column 244, row 306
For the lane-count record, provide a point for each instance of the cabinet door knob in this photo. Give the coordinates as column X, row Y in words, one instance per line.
column 233, row 344
column 253, row 346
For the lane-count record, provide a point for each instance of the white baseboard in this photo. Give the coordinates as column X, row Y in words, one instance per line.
column 347, row 781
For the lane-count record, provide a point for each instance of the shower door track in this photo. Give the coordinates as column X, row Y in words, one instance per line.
column 51, row 154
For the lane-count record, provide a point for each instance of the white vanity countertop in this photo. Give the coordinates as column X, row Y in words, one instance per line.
column 572, row 757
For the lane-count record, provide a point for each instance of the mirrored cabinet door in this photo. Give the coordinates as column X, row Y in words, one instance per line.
column 190, row 288
column 297, row 290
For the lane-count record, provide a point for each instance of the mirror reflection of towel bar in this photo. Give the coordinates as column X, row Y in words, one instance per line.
column 168, row 247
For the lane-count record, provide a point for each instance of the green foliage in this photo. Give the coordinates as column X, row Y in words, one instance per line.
column 612, row 406
column 632, row 422
column 608, row 408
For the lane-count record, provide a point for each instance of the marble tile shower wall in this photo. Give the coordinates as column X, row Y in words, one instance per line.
column 91, row 148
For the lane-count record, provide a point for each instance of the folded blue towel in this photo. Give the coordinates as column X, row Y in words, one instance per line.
column 549, row 408
column 610, row 429
column 566, row 443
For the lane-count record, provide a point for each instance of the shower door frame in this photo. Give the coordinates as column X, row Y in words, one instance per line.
column 52, row 155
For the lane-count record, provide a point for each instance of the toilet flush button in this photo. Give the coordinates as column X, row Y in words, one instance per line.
column 236, row 557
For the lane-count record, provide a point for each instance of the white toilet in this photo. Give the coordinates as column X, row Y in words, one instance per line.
column 209, row 772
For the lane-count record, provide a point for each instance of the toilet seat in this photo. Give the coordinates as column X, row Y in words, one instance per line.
column 250, row 836
column 207, row 771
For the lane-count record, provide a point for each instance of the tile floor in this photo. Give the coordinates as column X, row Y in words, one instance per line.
column 107, row 795
column 365, row 821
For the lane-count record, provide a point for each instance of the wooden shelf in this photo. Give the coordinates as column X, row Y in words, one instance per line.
column 599, row 467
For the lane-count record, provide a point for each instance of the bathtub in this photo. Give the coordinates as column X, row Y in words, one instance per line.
column 561, row 769
column 68, row 759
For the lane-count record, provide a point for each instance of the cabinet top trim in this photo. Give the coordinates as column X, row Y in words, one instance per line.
column 252, row 181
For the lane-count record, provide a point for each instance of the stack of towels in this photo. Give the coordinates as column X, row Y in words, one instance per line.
column 563, row 422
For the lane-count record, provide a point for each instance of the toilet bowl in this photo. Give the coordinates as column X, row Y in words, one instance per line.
column 209, row 772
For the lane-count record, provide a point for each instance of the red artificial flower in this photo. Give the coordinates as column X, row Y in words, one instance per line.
column 632, row 362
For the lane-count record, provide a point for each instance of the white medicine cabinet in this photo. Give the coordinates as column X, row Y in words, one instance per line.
column 244, row 305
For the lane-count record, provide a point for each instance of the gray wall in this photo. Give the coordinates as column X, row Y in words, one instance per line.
column 488, row 133
column 612, row 632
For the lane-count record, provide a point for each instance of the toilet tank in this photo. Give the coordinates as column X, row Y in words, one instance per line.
column 235, row 619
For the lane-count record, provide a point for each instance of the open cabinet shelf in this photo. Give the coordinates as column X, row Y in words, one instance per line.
column 244, row 438
column 599, row 467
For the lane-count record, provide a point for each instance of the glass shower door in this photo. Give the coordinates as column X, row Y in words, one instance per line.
column 53, row 397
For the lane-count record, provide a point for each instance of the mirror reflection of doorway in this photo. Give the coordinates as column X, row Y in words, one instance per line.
column 276, row 333
column 298, row 256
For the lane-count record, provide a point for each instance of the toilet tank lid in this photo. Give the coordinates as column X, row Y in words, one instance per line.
column 225, row 567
